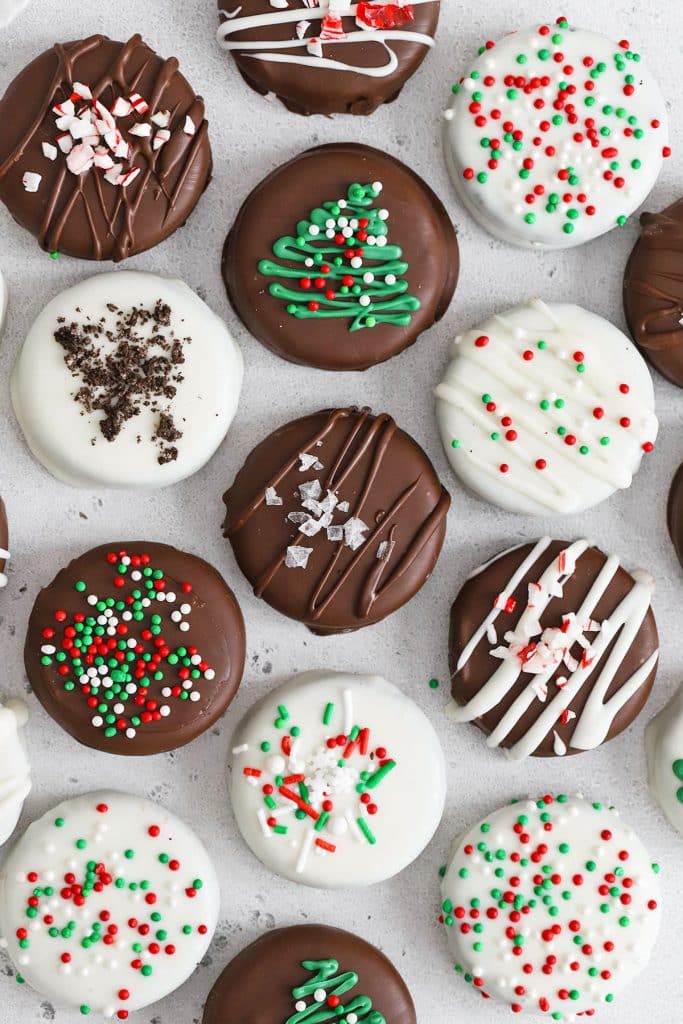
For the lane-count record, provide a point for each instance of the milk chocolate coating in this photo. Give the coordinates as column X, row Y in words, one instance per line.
column 390, row 485
column 256, row 987
column 417, row 223
column 4, row 532
column 675, row 513
column 216, row 632
column 312, row 90
column 84, row 215
column 475, row 601
column 653, row 291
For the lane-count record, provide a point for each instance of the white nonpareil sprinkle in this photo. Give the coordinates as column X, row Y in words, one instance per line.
column 272, row 497
column 297, row 557
column 31, row 181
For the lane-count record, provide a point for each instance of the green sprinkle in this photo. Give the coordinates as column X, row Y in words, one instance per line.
column 327, row 716
column 434, row 684
column 455, row 443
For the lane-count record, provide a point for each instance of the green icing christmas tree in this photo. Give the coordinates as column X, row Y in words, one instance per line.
column 341, row 265
column 319, row 1000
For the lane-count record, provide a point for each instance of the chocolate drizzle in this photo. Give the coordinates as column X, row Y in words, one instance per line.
column 653, row 290
column 84, row 215
column 388, row 482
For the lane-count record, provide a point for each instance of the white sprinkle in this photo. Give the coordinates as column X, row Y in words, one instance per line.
column 364, row 300
column 131, row 733
column 209, row 674
column 320, row 995
column 184, row 627
column 356, row 262
column 369, row 277
column 164, row 711
column 390, row 279
column 97, row 721
column 242, row 749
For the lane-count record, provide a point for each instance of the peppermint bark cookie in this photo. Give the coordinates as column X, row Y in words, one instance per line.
column 126, row 379
column 135, row 648
column 555, row 136
column 105, row 150
column 323, row 771
column 331, row 56
column 546, row 409
column 341, row 258
column 337, row 519
column 15, row 770
column 313, row 973
column 553, row 648
column 566, row 918
column 664, row 744
column 107, row 904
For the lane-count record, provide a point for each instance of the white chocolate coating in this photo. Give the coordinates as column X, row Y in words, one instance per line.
column 567, row 884
column 69, row 442
column 15, row 770
column 134, row 900
column 587, row 151
column 372, row 835
column 664, row 745
column 551, row 416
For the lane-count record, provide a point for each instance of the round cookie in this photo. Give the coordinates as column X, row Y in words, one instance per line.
column 337, row 519
column 127, row 379
column 331, row 56
column 553, row 648
column 555, row 136
column 341, row 258
column 675, row 513
column 664, row 745
column 322, row 773
column 546, row 409
column 312, row 973
column 105, row 150
column 107, row 904
column 135, row 648
column 573, row 912
column 4, row 541
column 15, row 770
column 653, row 291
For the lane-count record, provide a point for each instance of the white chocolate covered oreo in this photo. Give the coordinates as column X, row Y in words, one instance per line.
column 15, row 770
column 555, row 136
column 546, row 409
column 126, row 380
column 664, row 744
column 551, row 906
column 337, row 780
column 107, row 904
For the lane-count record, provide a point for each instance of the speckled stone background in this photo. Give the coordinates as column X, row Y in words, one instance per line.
column 51, row 523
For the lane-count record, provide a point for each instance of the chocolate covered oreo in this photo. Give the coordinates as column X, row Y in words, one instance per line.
column 105, row 148
column 553, row 648
column 341, row 258
column 310, row 973
column 337, row 519
column 653, row 291
column 135, row 648
column 330, row 56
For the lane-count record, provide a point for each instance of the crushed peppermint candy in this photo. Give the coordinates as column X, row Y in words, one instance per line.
column 89, row 136
column 31, row 181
